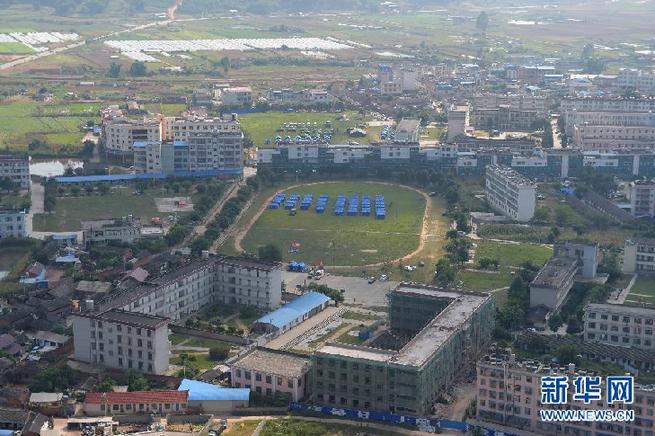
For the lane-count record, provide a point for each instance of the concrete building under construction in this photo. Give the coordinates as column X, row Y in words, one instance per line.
column 439, row 333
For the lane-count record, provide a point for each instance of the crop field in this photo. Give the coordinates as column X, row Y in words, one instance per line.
column 343, row 240
column 24, row 120
column 14, row 48
column 263, row 126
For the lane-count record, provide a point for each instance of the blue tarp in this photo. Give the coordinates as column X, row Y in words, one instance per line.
column 201, row 391
column 294, row 309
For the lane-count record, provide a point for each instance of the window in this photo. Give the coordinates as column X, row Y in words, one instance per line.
column 258, row 377
column 279, row 381
column 290, row 383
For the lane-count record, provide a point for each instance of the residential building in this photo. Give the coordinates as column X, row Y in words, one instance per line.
column 137, row 402
column 49, row 339
column 586, row 252
column 509, row 394
column 639, row 256
column 642, row 198
column 210, row 398
column 619, row 324
column 122, row 340
column 512, row 112
column 510, row 193
column 638, row 80
column 22, row 421
column 553, row 282
column 238, row 96
column 120, row 134
column 433, row 334
column 293, row 313
column 248, row 282
column 122, row 230
column 305, row 97
column 8, row 345
column 407, row 131
column 17, row 169
column 608, row 138
column 12, row 224
column 270, row 372
column 458, row 121
column 392, row 87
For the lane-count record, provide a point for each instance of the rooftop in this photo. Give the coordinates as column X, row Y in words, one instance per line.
column 273, row 362
column 622, row 309
column 201, row 391
column 555, row 273
column 427, row 341
column 130, row 318
column 248, row 263
column 169, row 396
column 94, row 287
column 511, row 175
column 294, row 309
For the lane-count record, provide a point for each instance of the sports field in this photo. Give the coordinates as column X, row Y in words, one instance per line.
column 643, row 291
column 343, row 240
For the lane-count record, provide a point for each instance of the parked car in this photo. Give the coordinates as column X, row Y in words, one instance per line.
column 371, row 280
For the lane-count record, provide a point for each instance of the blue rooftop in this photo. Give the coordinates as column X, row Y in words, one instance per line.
column 201, row 391
column 144, row 143
column 294, row 309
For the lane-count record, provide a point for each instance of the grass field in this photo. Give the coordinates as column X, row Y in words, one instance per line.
column 244, row 428
column 10, row 255
column 262, row 126
column 343, row 240
column 69, row 211
column 512, row 254
column 298, row 427
column 643, row 291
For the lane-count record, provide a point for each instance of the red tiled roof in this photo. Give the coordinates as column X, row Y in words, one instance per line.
column 136, row 397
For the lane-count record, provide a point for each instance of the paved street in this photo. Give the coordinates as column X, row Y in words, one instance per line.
column 358, row 291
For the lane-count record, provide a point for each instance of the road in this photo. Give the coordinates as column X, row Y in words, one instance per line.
column 201, row 228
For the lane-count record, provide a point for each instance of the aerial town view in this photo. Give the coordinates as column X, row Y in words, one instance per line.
column 327, row 218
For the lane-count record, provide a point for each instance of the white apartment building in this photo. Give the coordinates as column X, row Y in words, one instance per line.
column 181, row 128
column 237, row 96
column 510, row 193
column 641, row 81
column 215, row 150
column 122, row 340
column 17, row 169
column 639, row 256
column 642, row 198
column 553, row 282
column 124, row 230
column 585, row 252
column 458, row 121
column 120, row 135
column 249, row 283
column 617, row 324
column 12, row 224
column 614, row 137
column 509, row 394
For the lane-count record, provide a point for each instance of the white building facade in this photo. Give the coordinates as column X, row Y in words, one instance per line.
column 510, row 193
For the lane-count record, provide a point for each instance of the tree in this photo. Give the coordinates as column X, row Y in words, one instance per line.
column 269, row 252
column 445, row 272
column 541, row 215
column 567, row 354
column 138, row 69
column 176, row 234
column 136, row 381
column 225, row 64
column 114, row 70
column 106, row 385
column 219, row 354
column 482, row 22
column 610, row 265
column 200, row 244
column 555, row 322
column 459, row 249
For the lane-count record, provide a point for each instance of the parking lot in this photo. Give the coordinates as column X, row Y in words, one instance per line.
column 357, row 289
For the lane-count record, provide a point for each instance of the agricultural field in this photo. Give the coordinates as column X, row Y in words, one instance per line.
column 24, row 120
column 14, row 48
column 69, row 211
column 343, row 240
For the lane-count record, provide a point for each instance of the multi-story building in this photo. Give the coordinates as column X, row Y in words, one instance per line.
column 618, row 324
column 434, row 333
column 12, row 224
column 121, row 134
column 407, row 131
column 640, row 81
column 509, row 394
column 458, row 121
column 642, row 198
column 173, row 296
column 17, row 169
column 510, row 193
column 238, row 96
column 608, row 138
column 123, row 230
column 137, row 402
column 122, row 340
column 305, row 97
column 512, row 112
column 270, row 372
column 639, row 256
column 553, row 282
column 586, row 252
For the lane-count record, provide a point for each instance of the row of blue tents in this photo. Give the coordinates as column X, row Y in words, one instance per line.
column 380, row 208
column 297, row 266
column 340, row 205
column 306, row 201
column 277, row 200
column 321, row 204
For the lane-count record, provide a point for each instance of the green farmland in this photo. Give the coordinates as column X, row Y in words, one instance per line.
column 343, row 240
